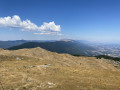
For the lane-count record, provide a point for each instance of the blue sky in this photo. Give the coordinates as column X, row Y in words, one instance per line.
column 94, row 20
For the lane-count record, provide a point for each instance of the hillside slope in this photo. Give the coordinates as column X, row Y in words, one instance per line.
column 70, row 47
column 7, row 44
column 39, row 69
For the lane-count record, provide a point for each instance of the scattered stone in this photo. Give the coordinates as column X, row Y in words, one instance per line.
column 18, row 58
column 43, row 66
column 47, row 85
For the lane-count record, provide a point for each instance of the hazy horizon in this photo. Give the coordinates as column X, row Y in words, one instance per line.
column 92, row 41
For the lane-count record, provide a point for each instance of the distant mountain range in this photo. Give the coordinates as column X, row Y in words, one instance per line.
column 74, row 47
column 8, row 44
column 62, row 46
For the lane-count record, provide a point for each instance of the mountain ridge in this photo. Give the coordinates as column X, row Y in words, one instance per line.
column 70, row 47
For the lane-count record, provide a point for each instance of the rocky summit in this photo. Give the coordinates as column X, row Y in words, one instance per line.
column 39, row 69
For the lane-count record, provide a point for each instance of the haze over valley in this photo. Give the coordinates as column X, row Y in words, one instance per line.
column 73, row 47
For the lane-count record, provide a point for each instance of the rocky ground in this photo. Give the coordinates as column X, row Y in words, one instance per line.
column 39, row 69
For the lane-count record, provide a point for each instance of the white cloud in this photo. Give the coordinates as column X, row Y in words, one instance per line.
column 16, row 22
column 42, row 33
column 49, row 33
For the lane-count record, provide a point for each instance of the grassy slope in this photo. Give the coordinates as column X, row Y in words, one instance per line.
column 39, row 69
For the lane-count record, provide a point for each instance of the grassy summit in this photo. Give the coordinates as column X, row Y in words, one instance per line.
column 39, row 69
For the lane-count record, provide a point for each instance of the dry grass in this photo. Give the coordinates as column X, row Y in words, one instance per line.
column 38, row 69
